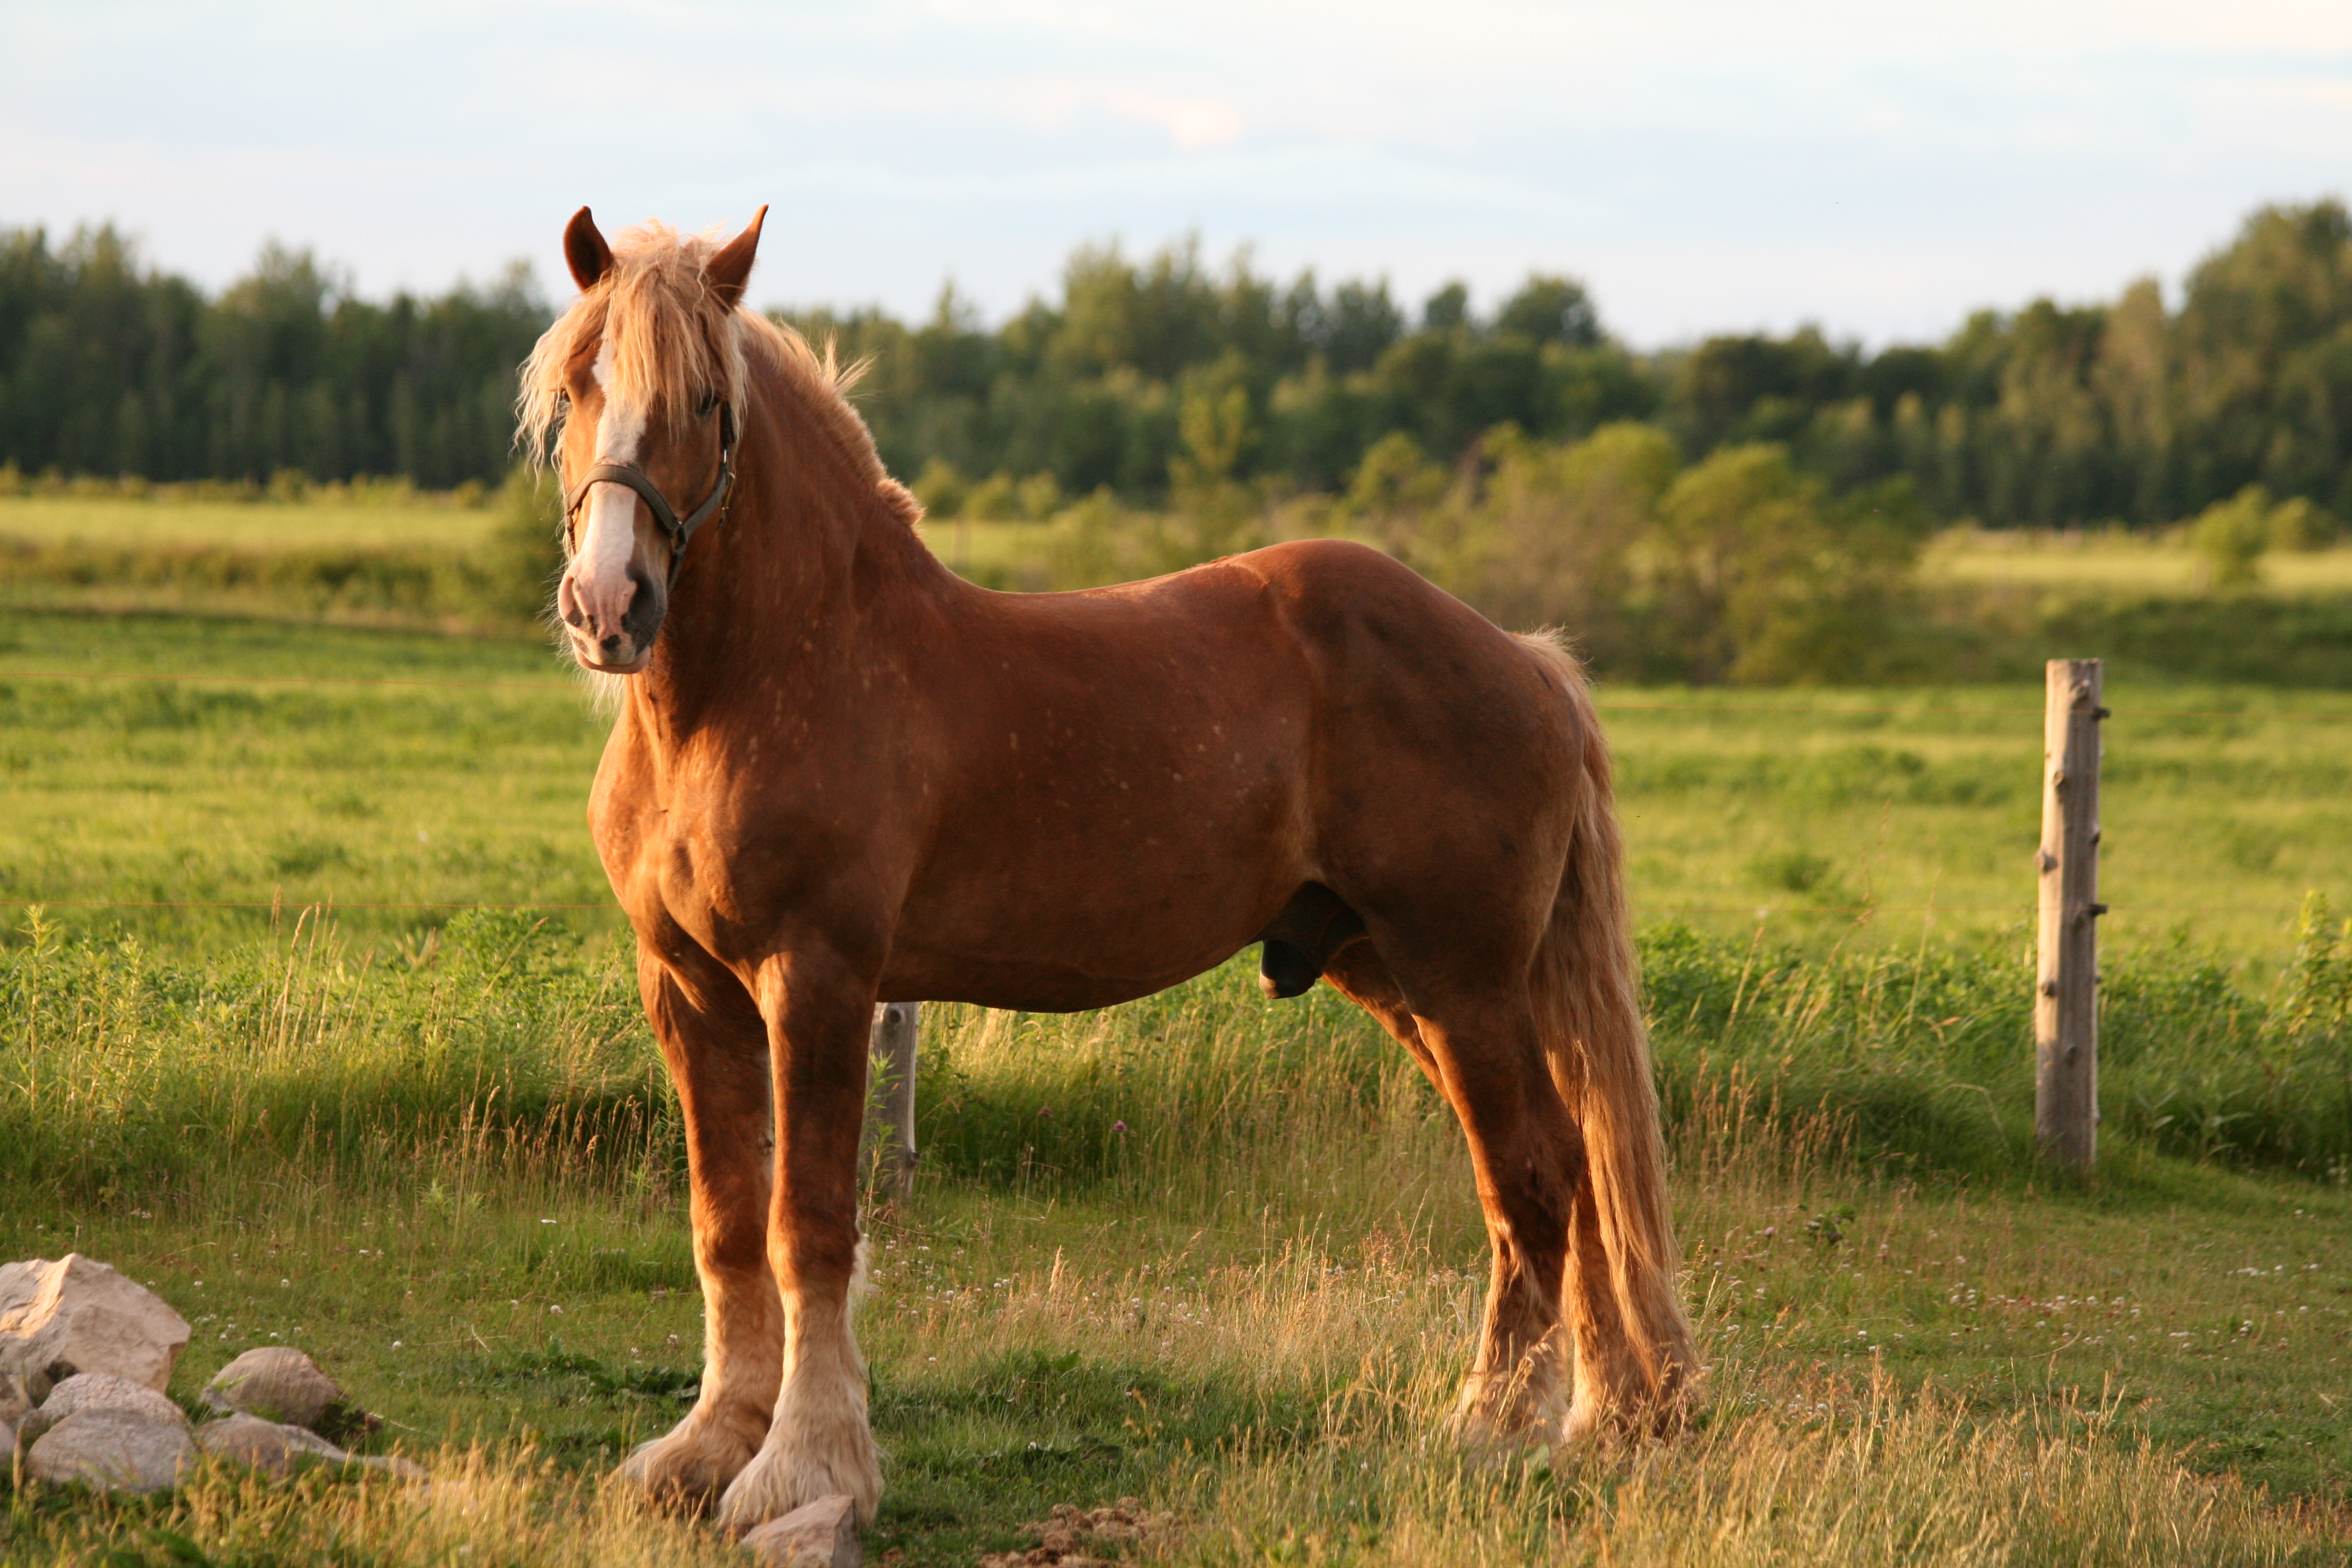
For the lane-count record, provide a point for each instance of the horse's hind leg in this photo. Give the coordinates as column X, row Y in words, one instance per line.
column 1484, row 1057
column 716, row 1050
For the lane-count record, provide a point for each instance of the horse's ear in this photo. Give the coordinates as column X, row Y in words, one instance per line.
column 729, row 269
column 585, row 251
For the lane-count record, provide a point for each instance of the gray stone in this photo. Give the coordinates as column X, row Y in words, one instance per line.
column 278, row 1383
column 268, row 1445
column 101, row 1394
column 822, row 1534
column 113, row 1452
column 79, row 1315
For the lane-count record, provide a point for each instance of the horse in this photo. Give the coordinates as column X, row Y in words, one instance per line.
column 841, row 775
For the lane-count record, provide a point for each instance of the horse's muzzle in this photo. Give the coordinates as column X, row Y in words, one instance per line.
column 608, row 640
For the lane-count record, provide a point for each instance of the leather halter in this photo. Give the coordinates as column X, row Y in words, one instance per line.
column 678, row 530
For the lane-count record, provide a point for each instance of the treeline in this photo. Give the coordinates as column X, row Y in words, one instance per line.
column 107, row 367
column 1152, row 376
column 2053, row 416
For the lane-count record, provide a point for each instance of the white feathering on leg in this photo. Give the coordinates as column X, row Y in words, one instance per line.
column 820, row 1444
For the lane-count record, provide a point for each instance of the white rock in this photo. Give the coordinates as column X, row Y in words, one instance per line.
column 822, row 1534
column 270, row 1446
column 113, row 1452
column 78, row 1315
column 101, row 1394
column 278, row 1383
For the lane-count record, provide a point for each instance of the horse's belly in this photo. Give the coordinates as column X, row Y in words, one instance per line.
column 1023, row 987
column 1084, row 919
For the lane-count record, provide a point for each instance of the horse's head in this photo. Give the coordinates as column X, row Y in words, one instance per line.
column 646, row 372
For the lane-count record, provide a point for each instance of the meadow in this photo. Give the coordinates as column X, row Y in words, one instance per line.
column 1217, row 1253
column 225, row 760
column 372, row 552
column 1204, row 1251
column 386, row 514
column 2113, row 560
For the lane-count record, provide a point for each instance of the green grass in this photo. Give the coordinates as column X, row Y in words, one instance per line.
column 398, row 517
column 133, row 775
column 374, row 554
column 455, row 1177
column 1892, row 815
column 2119, row 562
column 438, row 1151
column 1871, row 818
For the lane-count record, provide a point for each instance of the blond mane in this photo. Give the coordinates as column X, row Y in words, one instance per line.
column 673, row 342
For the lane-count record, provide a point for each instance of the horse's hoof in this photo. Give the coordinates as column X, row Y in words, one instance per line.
column 1592, row 1422
column 691, row 1464
column 799, row 1465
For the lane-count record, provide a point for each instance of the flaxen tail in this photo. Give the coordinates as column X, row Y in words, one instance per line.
column 1588, row 1007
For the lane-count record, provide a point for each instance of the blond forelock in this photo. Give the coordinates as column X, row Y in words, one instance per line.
column 673, row 343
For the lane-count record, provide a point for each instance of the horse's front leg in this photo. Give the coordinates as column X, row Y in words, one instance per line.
column 819, row 1010
column 715, row 1043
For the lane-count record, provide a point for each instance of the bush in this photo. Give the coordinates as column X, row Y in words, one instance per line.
column 2231, row 535
column 1739, row 568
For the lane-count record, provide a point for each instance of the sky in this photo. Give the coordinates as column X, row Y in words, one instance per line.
column 1880, row 171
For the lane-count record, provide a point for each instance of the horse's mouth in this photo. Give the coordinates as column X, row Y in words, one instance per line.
column 632, row 667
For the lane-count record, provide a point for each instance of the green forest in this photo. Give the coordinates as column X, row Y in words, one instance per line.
column 1144, row 370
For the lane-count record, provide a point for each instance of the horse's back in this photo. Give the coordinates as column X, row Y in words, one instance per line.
column 1406, row 687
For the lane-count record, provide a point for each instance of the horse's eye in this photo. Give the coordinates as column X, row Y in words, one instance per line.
column 710, row 403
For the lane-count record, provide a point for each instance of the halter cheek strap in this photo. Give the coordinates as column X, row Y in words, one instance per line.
column 680, row 529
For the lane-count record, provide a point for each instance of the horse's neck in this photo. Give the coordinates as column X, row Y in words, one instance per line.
column 804, row 547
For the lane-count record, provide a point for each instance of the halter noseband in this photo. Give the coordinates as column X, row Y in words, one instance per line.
column 680, row 529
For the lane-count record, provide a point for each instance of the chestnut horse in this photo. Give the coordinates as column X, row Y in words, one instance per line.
column 840, row 773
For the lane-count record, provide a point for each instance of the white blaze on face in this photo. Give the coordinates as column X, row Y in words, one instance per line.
column 599, row 578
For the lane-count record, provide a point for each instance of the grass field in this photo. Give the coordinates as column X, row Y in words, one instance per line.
column 376, row 553
column 392, row 518
column 138, row 767
column 451, row 1171
column 2118, row 562
column 1220, row 1254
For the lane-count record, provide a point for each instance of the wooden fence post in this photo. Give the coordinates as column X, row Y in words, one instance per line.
column 2066, row 993
column 890, row 1107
